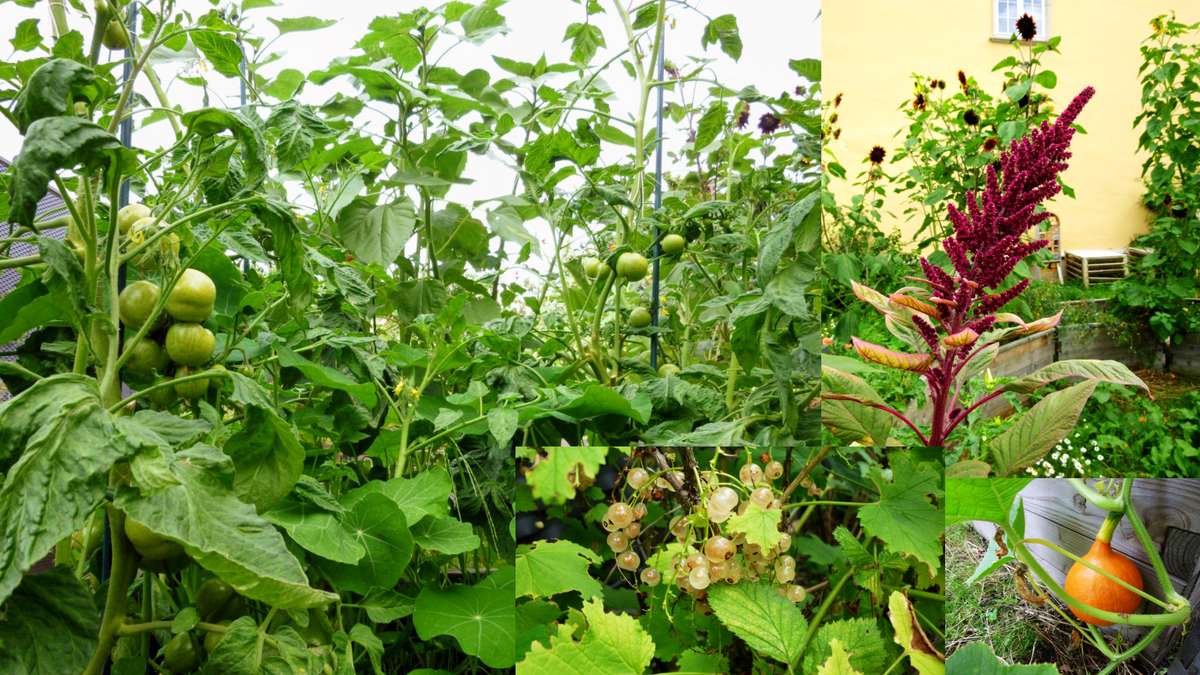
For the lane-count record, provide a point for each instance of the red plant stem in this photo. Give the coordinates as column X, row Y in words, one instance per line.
column 978, row 403
column 902, row 418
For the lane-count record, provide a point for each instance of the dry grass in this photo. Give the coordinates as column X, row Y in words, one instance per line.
column 990, row 611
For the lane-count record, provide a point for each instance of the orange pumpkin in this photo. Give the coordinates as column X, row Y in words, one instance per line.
column 1097, row 590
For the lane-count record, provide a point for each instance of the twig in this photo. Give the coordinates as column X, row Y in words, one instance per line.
column 813, row 461
column 688, row 500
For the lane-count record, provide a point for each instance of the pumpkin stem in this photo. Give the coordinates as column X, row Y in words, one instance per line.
column 1110, row 525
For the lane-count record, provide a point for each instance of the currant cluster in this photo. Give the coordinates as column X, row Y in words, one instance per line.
column 713, row 551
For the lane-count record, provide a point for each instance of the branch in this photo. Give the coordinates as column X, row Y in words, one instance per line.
column 813, row 461
column 688, row 500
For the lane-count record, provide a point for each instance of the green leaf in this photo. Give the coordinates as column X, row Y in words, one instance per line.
column 1039, row 429
column 809, row 69
column 284, row 86
column 482, row 618
column 376, row 522
column 870, row 568
column 846, row 364
column 325, row 376
column 990, row 562
column 224, row 54
column 26, row 308
column 1046, row 79
column 267, row 459
column 209, row 122
column 502, row 422
column 977, row 657
column 291, row 251
column 385, row 606
column 599, row 400
column 237, row 652
column 422, row 495
column 222, row 534
column 51, row 625
column 507, row 224
column 549, row 478
column 377, row 234
column 585, row 40
column 909, row 635
column 52, row 144
column 723, row 29
column 549, row 568
column 982, row 499
column 863, row 641
column 613, row 644
column 1018, row 91
column 851, row 420
column 296, row 126
column 903, row 517
column 1102, row 371
column 711, row 124
column 839, row 661
column 968, row 468
column 761, row 526
column 52, row 90
column 59, row 445
column 316, row 530
column 227, row 277
column 448, row 535
column 481, row 22
column 300, row 24
column 770, row 624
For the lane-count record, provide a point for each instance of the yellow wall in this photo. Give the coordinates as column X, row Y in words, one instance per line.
column 871, row 47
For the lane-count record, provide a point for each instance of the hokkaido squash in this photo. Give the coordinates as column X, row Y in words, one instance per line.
column 1097, row 590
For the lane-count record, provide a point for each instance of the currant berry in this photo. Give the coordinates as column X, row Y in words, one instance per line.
column 704, row 608
column 733, row 573
column 751, row 474
column 637, row 478
column 639, row 511
column 618, row 542
column 738, row 538
column 696, row 560
column 651, row 577
column 776, row 504
column 716, row 515
column 784, row 575
column 785, row 542
column 764, row 457
column 679, row 527
column 718, row 549
column 718, row 570
column 620, row 514
column 540, row 525
column 796, row 593
column 725, row 499
column 629, row 561
column 787, row 561
column 699, row 578
column 773, row 470
column 762, row 497
column 633, row 529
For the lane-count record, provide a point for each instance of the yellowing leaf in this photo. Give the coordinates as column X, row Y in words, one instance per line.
column 921, row 654
column 839, row 661
column 761, row 526
column 916, row 363
column 914, row 304
column 612, row 644
column 963, row 337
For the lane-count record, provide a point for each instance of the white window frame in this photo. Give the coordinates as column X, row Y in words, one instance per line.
column 1044, row 30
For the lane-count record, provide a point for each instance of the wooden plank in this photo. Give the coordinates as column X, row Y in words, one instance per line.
column 1054, row 511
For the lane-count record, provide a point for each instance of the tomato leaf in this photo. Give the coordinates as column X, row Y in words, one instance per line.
column 51, row 625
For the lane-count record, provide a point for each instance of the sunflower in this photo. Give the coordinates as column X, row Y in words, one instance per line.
column 743, row 117
column 962, row 78
column 971, row 118
column 1026, row 27
column 919, row 102
column 877, row 154
column 837, row 100
column 837, row 133
column 769, row 124
column 990, row 144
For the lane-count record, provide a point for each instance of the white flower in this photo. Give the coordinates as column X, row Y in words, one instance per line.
column 1088, row 462
column 1100, row 457
column 1055, row 455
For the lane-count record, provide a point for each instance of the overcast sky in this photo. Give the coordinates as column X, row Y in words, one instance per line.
column 772, row 32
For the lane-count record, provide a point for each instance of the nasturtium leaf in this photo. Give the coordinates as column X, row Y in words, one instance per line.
column 50, row 627
column 325, row 376
column 384, row 605
column 982, row 499
column 446, row 535
column 482, row 618
column 316, row 530
column 68, row 443
column 551, row 567
column 377, row 233
column 612, row 644
column 903, row 517
column 267, row 458
column 761, row 526
column 549, row 477
column 378, row 524
column 221, row 533
column 769, row 623
column 422, row 495
column 978, row 658
column 862, row 639
column 839, row 661
column 921, row 654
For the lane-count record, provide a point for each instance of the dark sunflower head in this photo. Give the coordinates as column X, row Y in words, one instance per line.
column 743, row 117
column 799, row 90
column 833, row 118
column 941, row 84
column 837, row 133
column 1026, row 27
column 877, row 154
column 769, row 124
column 837, row 100
column 971, row 117
column 919, row 102
column 962, row 78
column 990, row 144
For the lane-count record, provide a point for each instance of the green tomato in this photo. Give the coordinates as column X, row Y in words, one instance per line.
column 246, row 370
column 190, row 344
column 591, row 267
column 672, row 244
column 168, row 566
column 148, row 357
column 668, row 370
column 148, row 544
column 114, row 37
column 130, row 214
column 164, row 398
column 194, row 389
column 603, row 273
column 639, row 318
column 192, row 298
column 181, row 655
column 632, row 266
column 154, row 256
column 214, row 638
column 217, row 601
column 136, row 302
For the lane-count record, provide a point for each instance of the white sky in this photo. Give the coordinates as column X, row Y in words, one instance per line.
column 772, row 32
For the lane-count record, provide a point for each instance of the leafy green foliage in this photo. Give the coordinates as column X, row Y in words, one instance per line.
column 977, row 657
column 50, row 627
column 768, row 622
column 480, row 617
column 862, row 639
column 611, row 644
column 550, row 568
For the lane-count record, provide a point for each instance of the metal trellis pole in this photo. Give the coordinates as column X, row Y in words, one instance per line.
column 658, row 161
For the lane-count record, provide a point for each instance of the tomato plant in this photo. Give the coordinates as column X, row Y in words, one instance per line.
column 730, row 561
column 290, row 362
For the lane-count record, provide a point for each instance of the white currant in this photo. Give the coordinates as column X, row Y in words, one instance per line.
column 796, row 593
column 725, row 499
column 651, row 577
column 751, row 474
column 762, row 497
column 699, row 578
column 637, row 478
column 718, row 549
column 773, row 470
column 629, row 561
column 618, row 542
